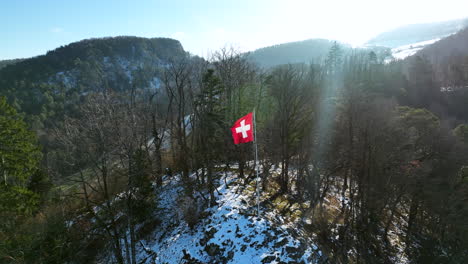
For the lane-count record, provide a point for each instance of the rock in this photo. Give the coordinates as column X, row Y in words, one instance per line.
column 281, row 243
column 189, row 259
column 296, row 255
column 210, row 233
column 204, row 215
column 295, row 262
column 243, row 248
column 291, row 250
column 203, row 241
column 213, row 249
column 268, row 259
column 230, row 255
column 186, row 255
column 268, row 238
column 227, row 242
column 243, row 211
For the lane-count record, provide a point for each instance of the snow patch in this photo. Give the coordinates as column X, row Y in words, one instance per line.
column 232, row 233
column 404, row 51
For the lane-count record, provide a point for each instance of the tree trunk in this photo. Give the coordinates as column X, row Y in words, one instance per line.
column 127, row 248
column 158, row 170
column 241, row 162
column 413, row 212
column 210, row 183
column 157, row 151
column 284, row 176
column 133, row 241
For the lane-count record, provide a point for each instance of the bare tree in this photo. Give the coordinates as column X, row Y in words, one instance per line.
column 109, row 152
column 178, row 83
column 236, row 74
column 293, row 114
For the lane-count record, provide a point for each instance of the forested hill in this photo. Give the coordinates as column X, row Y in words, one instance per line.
column 292, row 52
column 449, row 59
column 410, row 34
column 304, row 51
column 45, row 85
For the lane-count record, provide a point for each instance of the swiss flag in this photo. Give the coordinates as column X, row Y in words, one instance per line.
column 242, row 130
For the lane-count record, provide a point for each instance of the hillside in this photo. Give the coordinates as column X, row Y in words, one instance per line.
column 447, row 63
column 293, row 52
column 227, row 233
column 48, row 85
column 449, row 58
column 306, row 51
column 415, row 33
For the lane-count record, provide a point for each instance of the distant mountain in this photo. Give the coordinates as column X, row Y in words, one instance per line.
column 300, row 52
column 410, row 34
column 292, row 52
column 400, row 42
column 46, row 85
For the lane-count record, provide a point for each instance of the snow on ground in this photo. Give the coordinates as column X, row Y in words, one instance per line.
column 411, row 49
column 230, row 233
column 155, row 83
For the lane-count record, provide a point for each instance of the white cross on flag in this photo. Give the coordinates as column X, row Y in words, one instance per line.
column 242, row 130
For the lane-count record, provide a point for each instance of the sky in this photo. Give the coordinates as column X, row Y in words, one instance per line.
column 30, row 28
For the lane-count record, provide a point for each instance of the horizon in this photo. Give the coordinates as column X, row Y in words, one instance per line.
column 209, row 25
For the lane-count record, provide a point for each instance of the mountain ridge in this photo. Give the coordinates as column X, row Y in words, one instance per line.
column 413, row 33
column 305, row 51
column 45, row 85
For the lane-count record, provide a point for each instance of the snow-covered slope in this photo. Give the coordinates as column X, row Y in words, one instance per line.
column 228, row 233
column 404, row 51
column 408, row 34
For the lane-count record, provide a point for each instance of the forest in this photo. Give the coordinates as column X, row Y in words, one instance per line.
column 372, row 154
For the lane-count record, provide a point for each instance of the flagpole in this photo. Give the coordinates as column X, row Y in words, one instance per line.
column 256, row 160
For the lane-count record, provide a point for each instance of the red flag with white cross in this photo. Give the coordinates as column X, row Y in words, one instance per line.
column 242, row 130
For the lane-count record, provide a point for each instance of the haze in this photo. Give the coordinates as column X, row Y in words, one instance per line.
column 31, row 28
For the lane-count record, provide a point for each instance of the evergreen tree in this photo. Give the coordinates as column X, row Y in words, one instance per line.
column 210, row 123
column 19, row 154
column 19, row 160
column 334, row 58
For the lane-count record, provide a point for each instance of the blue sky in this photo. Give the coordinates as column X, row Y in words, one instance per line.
column 30, row 27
